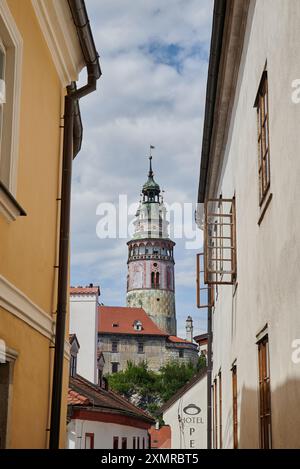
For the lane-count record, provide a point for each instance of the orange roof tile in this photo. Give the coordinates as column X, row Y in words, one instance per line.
column 160, row 438
column 173, row 338
column 84, row 393
column 74, row 398
column 123, row 318
column 89, row 290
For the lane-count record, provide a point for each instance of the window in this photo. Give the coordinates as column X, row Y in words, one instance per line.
column 114, row 346
column 234, row 408
column 7, row 360
column 89, row 441
column 137, row 325
column 124, row 443
column 152, row 279
column 215, row 414
column 264, row 394
column 140, row 347
column 143, row 443
column 220, row 411
column 4, row 392
column 10, row 90
column 157, row 280
column 134, row 443
column 262, row 106
column 220, row 266
column 114, row 367
column 73, row 365
column 181, row 354
column 115, row 442
column 204, row 294
column 138, row 442
column 2, row 86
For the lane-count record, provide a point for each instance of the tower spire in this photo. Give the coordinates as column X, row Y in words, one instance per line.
column 150, row 174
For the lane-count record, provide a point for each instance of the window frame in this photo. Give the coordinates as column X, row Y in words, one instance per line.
column 263, row 139
column 235, row 407
column 220, row 212
column 10, row 359
column 264, row 393
column 92, row 438
column 141, row 347
column 115, row 442
column 2, row 77
column 13, row 44
column 215, row 414
column 114, row 346
column 73, row 365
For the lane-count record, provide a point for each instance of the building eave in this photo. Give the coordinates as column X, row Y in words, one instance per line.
column 60, row 34
column 228, row 33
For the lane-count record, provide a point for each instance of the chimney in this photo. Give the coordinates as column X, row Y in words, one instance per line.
column 189, row 329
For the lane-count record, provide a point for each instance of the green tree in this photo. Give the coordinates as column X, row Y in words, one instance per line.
column 148, row 389
column 172, row 377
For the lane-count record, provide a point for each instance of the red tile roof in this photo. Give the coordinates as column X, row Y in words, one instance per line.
column 74, row 398
column 173, row 338
column 124, row 319
column 84, row 393
column 160, row 438
column 88, row 290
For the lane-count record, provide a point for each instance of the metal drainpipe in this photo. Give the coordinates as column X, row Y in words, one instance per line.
column 70, row 137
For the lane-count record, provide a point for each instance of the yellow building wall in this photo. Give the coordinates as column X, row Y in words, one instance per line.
column 28, row 245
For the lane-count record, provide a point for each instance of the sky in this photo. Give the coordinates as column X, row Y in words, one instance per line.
column 154, row 59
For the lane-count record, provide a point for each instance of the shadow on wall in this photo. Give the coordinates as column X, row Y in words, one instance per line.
column 285, row 417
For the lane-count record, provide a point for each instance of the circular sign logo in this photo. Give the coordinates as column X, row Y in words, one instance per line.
column 192, row 409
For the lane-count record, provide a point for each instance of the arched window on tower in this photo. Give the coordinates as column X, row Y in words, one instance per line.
column 157, row 280
column 169, row 279
column 152, row 279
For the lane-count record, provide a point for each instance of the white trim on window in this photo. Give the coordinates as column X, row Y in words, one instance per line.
column 17, row 51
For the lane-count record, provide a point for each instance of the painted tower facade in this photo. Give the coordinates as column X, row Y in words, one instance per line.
column 150, row 280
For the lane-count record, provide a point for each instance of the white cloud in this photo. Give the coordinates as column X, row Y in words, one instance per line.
column 154, row 61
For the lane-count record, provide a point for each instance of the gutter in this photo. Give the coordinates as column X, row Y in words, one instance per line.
column 72, row 139
column 211, row 91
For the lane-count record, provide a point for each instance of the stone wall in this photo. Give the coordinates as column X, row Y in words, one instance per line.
column 156, row 351
column 159, row 305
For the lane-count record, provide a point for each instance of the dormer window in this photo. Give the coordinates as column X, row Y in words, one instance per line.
column 73, row 365
column 137, row 325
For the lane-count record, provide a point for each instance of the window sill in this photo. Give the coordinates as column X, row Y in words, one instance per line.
column 264, row 207
column 9, row 207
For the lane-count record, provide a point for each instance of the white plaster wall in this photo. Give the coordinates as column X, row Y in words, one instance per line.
column 103, row 434
column 192, row 434
column 84, row 323
column 268, row 256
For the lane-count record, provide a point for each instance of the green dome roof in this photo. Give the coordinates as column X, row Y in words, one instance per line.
column 151, row 185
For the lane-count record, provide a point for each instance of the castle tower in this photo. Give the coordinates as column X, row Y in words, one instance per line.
column 150, row 280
